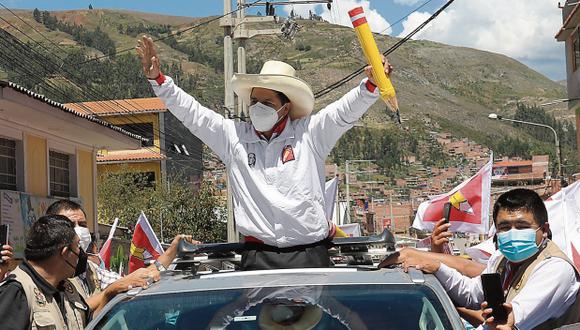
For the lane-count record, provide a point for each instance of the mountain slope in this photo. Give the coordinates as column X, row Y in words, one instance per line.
column 454, row 87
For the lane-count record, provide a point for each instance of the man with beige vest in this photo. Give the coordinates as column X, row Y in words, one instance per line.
column 38, row 293
column 540, row 283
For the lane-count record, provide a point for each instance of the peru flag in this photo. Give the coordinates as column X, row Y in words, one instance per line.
column 564, row 218
column 105, row 252
column 470, row 201
column 144, row 245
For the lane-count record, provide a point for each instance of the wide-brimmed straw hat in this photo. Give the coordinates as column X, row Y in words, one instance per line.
column 281, row 77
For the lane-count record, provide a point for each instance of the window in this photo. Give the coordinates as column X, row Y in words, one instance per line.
column 8, row 178
column 144, row 130
column 146, row 179
column 323, row 307
column 60, row 174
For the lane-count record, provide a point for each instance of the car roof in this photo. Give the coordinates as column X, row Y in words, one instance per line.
column 173, row 282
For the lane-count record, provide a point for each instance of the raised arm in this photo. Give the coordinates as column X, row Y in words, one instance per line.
column 329, row 124
column 209, row 126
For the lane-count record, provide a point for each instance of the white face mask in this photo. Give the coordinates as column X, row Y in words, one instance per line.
column 264, row 117
column 85, row 237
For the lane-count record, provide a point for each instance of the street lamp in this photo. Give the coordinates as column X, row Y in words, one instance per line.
column 558, row 151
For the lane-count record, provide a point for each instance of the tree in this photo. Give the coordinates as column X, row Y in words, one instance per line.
column 90, row 6
column 181, row 207
column 36, row 15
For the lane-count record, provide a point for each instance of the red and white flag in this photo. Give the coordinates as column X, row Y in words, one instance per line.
column 470, row 201
column 105, row 252
column 144, row 245
column 564, row 218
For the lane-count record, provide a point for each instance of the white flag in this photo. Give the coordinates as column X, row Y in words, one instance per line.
column 330, row 192
column 564, row 218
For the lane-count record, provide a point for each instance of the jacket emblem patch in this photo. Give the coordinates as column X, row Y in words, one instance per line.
column 287, row 154
column 251, row 159
column 40, row 299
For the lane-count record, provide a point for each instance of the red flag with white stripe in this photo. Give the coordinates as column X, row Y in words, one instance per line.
column 470, row 201
column 144, row 245
column 105, row 252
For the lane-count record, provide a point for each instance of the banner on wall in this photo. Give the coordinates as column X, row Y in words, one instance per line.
column 20, row 210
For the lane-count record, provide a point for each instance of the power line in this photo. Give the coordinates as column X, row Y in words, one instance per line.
column 175, row 33
column 143, row 132
column 402, row 18
column 28, row 71
column 32, row 27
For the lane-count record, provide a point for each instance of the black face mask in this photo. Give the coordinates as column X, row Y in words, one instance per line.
column 81, row 267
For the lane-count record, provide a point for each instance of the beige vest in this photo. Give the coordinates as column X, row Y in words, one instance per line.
column 523, row 274
column 44, row 311
column 93, row 283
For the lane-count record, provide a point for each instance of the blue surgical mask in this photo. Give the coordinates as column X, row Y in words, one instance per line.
column 518, row 245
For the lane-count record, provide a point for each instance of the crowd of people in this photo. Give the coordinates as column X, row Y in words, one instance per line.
column 61, row 283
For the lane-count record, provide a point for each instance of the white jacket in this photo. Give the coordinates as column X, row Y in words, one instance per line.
column 280, row 203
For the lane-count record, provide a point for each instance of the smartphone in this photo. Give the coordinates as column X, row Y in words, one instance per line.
column 493, row 293
column 3, row 237
column 447, row 211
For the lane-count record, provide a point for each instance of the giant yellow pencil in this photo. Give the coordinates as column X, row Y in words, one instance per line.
column 371, row 51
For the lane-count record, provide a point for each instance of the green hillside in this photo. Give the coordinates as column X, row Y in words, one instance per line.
column 440, row 87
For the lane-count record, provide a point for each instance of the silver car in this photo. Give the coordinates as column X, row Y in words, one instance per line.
column 314, row 298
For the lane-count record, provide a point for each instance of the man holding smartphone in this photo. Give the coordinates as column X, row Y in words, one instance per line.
column 538, row 281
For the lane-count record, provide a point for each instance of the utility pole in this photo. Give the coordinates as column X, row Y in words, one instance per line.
column 346, row 175
column 241, row 52
column 227, row 23
column 392, row 217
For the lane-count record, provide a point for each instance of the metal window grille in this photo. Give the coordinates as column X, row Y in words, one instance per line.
column 7, row 164
column 59, row 174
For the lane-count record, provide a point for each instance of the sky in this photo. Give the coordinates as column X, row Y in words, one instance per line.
column 521, row 29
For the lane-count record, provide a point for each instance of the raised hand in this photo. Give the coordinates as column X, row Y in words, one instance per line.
column 149, row 59
column 440, row 236
column 388, row 69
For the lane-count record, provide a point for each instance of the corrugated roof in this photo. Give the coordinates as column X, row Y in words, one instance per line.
column 130, row 155
column 120, row 107
column 67, row 109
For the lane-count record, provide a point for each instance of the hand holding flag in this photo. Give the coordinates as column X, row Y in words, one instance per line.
column 470, row 201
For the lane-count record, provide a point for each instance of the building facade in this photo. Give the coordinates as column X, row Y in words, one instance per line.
column 47, row 152
column 569, row 33
column 169, row 151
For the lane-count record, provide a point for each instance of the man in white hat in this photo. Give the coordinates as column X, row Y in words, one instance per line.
column 275, row 165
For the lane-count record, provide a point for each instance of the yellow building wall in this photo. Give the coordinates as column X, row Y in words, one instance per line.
column 85, row 174
column 36, row 166
column 138, row 119
column 153, row 166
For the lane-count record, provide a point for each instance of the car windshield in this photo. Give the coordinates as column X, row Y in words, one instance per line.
column 304, row 307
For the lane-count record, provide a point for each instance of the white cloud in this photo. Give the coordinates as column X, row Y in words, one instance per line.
column 406, row 2
column 522, row 29
column 339, row 13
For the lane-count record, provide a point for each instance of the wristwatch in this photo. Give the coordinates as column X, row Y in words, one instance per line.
column 159, row 266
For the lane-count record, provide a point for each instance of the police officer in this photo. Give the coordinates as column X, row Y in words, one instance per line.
column 38, row 293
